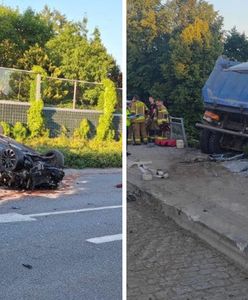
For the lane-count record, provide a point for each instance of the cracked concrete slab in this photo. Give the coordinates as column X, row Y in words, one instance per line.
column 202, row 196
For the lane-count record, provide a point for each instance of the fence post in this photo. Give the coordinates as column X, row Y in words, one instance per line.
column 38, row 87
column 74, row 95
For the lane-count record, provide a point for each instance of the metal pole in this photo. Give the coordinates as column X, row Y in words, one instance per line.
column 74, row 95
column 37, row 92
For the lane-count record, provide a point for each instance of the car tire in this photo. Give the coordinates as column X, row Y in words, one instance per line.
column 56, row 158
column 11, row 159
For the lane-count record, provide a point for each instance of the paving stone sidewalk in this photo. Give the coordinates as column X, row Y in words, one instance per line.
column 166, row 262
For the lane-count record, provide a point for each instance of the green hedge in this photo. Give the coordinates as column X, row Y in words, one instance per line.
column 81, row 153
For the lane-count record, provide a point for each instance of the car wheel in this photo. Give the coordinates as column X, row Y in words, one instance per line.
column 11, row 159
column 56, row 158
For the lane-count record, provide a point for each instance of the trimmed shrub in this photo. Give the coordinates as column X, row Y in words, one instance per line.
column 83, row 130
column 35, row 117
column 19, row 132
column 6, row 128
column 105, row 127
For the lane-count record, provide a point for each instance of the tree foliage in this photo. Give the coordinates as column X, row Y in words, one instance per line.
column 83, row 130
column 63, row 48
column 236, row 45
column 172, row 47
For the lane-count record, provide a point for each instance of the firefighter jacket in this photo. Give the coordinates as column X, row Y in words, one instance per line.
column 162, row 115
column 128, row 122
column 139, row 108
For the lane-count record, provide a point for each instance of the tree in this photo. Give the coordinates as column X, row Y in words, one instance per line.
column 32, row 29
column 148, row 28
column 236, row 45
column 81, row 58
column 19, row 32
column 53, row 18
column 173, row 60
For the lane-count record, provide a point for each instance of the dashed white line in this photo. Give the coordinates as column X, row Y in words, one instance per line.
column 105, row 239
column 73, row 211
column 13, row 217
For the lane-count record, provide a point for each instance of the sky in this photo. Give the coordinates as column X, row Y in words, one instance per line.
column 105, row 14
column 234, row 13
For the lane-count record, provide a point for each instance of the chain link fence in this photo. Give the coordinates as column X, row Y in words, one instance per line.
column 55, row 92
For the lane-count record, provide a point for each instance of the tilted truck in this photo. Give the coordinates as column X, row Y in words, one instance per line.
column 225, row 120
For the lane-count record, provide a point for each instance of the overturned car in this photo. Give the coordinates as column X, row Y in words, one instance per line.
column 23, row 168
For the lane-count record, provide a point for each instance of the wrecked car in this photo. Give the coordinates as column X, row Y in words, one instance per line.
column 23, row 168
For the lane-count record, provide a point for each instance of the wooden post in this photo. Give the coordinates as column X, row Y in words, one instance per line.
column 74, row 95
column 38, row 86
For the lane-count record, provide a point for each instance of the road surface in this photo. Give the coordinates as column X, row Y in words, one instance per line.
column 64, row 244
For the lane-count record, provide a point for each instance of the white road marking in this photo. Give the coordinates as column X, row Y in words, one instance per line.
column 13, row 217
column 105, row 239
column 73, row 211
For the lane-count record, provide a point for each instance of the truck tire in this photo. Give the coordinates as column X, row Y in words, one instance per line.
column 204, row 141
column 214, row 143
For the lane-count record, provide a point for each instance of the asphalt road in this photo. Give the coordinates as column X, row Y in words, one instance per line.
column 49, row 254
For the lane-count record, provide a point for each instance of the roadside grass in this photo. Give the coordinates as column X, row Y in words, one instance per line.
column 80, row 153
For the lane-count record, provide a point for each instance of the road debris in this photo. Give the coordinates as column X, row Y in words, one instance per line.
column 66, row 187
column 226, row 156
column 27, row 266
column 147, row 172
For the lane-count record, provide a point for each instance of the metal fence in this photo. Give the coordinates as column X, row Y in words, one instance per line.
column 177, row 129
column 55, row 92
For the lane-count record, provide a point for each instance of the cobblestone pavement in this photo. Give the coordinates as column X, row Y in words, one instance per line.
column 167, row 262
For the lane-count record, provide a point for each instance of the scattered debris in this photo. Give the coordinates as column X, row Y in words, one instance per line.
column 197, row 159
column 130, row 197
column 226, row 156
column 238, row 166
column 148, row 173
column 66, row 187
column 14, row 207
column 27, row 266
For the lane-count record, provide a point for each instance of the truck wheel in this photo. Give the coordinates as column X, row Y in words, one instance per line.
column 214, row 143
column 204, row 141
column 56, row 158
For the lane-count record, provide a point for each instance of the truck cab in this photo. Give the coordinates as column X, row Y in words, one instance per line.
column 225, row 121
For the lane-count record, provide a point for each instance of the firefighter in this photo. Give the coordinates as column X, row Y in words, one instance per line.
column 129, row 124
column 139, row 109
column 162, row 119
column 150, row 122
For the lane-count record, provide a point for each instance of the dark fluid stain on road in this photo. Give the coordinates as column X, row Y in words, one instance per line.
column 65, row 188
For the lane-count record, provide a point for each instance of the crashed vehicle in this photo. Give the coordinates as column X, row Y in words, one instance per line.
column 23, row 168
column 225, row 120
